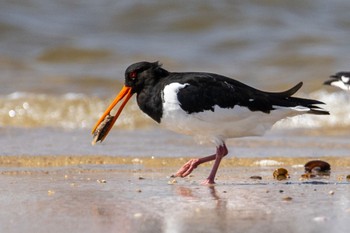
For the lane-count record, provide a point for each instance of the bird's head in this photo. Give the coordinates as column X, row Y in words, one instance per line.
column 340, row 79
column 136, row 77
column 142, row 73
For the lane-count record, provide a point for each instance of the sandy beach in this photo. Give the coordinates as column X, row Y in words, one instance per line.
column 106, row 194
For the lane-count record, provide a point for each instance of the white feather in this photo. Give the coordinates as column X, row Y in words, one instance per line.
column 341, row 85
column 296, row 108
column 345, row 79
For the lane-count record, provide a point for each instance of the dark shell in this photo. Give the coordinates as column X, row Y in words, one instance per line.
column 317, row 166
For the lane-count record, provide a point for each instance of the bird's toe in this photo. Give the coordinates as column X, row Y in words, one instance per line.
column 187, row 168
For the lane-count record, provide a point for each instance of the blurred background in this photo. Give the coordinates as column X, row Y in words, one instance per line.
column 63, row 61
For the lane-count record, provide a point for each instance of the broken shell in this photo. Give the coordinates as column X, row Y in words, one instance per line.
column 101, row 130
column 256, row 177
column 281, row 174
column 317, row 166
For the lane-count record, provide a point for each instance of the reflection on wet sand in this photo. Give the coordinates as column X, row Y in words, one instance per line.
column 212, row 209
column 125, row 203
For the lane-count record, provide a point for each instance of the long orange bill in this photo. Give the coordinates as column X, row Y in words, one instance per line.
column 125, row 92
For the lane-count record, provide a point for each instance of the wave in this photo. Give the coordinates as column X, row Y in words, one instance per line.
column 337, row 103
column 75, row 110
column 71, row 110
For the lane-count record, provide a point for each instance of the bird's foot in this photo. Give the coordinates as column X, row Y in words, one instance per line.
column 208, row 182
column 187, row 168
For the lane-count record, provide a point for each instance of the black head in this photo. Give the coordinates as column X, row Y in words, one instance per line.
column 143, row 73
column 339, row 75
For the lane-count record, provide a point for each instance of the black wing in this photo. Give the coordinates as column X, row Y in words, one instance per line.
column 206, row 90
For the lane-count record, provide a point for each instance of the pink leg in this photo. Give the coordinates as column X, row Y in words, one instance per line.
column 188, row 167
column 221, row 151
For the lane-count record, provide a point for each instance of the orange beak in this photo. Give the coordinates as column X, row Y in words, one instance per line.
column 125, row 92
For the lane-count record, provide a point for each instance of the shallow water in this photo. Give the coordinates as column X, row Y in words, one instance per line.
column 162, row 143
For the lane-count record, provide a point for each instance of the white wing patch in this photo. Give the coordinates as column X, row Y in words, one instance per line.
column 169, row 96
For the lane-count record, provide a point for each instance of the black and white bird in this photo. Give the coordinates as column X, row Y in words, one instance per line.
column 340, row 79
column 205, row 105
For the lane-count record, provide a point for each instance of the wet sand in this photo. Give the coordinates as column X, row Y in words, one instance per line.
column 107, row 194
column 55, row 181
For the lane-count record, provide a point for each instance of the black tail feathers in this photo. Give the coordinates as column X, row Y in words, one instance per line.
column 285, row 99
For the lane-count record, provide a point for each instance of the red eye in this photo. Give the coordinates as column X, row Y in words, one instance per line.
column 133, row 75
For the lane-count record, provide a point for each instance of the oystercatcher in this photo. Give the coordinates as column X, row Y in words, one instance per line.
column 206, row 105
column 340, row 79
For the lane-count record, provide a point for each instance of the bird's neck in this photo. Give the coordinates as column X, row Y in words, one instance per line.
column 150, row 101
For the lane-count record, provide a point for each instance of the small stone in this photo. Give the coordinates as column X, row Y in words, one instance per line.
column 320, row 219
column 331, row 192
column 137, row 215
column 256, row 177
column 287, row 198
column 102, row 181
column 173, row 181
column 50, row 192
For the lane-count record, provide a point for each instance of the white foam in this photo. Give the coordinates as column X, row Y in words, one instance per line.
column 267, row 162
column 337, row 103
